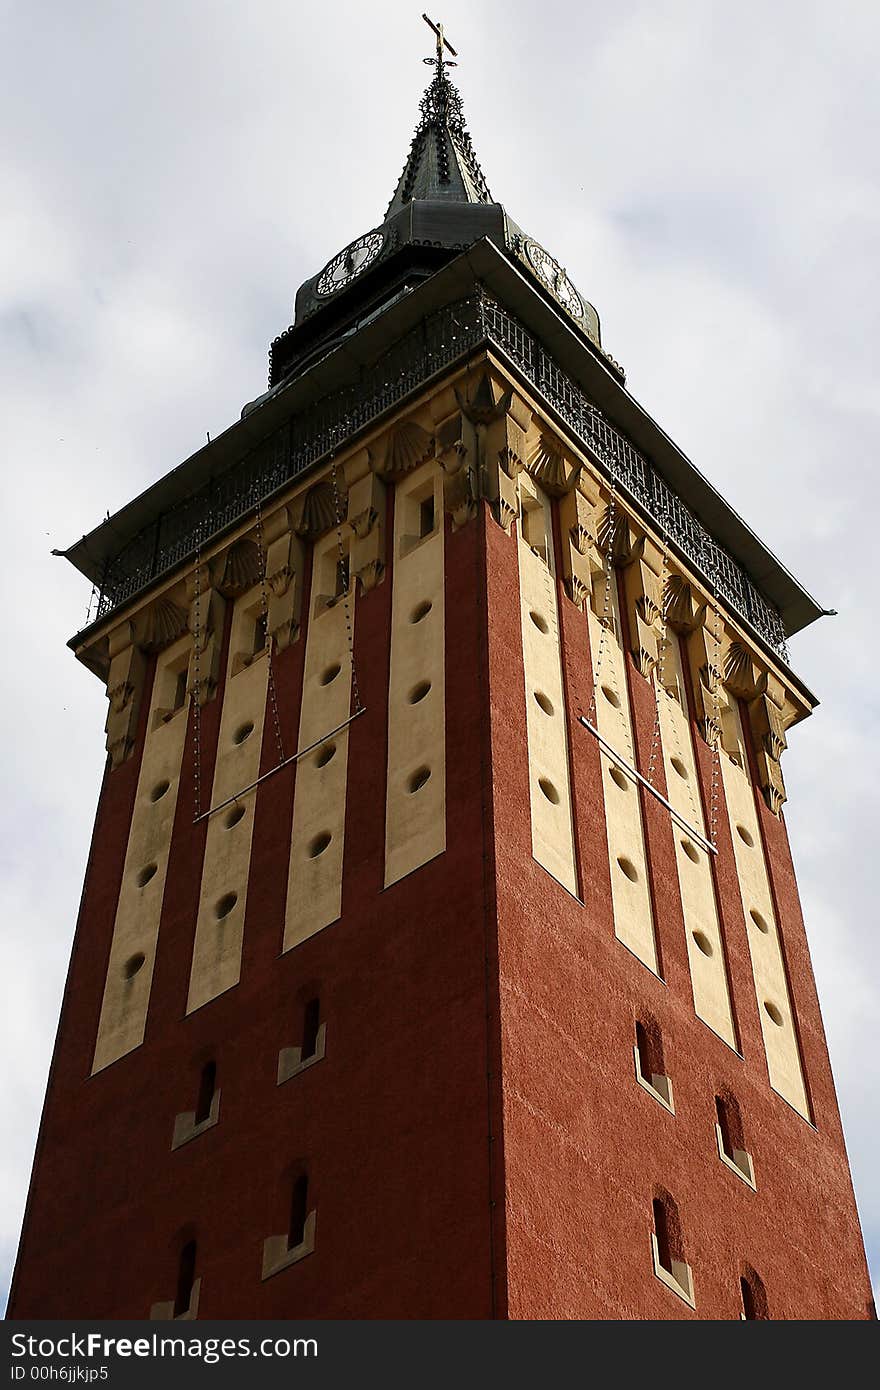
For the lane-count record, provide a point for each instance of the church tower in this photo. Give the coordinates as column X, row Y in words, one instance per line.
column 440, row 952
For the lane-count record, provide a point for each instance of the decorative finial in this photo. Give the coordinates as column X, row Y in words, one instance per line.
column 442, row 42
column 441, row 164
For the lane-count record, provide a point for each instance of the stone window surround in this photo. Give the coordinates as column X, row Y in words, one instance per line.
column 659, row 1086
column 164, row 1311
column 291, row 1061
column 278, row 1255
column 740, row 1162
column 185, row 1127
column 679, row 1279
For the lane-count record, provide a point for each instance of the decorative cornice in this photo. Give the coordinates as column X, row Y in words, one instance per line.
column 682, row 607
column 740, row 673
column 321, row 510
column 363, row 523
column 549, row 466
column 242, row 569
column 406, row 447
column 479, row 404
column 618, row 537
column 164, row 622
column 439, row 341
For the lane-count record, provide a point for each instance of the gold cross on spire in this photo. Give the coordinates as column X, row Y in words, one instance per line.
column 442, row 42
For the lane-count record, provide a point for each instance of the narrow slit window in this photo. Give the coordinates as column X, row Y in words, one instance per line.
column 662, row 1234
column 297, row 1241
column 650, row 1068
column 311, row 1035
column 426, row 517
column 534, row 529
column 729, row 1125
column 341, row 577
column 259, row 633
column 207, row 1086
column 311, row 1024
column 180, row 685
column 731, row 1139
column 299, row 1197
column 754, row 1297
column 649, row 1050
column 186, row 1277
column 670, row 1265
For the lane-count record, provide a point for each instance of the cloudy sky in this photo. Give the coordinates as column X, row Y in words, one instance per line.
column 172, row 170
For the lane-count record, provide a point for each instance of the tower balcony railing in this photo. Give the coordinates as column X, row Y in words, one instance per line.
column 440, row 340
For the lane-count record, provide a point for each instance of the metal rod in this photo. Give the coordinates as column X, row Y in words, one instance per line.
column 278, row 766
column 643, row 781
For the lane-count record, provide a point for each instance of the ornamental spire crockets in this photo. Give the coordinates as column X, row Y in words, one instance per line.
column 441, row 164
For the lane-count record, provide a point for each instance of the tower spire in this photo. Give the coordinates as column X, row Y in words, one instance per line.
column 442, row 164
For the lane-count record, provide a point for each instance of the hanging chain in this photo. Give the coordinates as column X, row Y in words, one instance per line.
column 264, row 606
column 345, row 579
column 659, row 673
column 716, row 752
column 607, row 612
column 196, row 690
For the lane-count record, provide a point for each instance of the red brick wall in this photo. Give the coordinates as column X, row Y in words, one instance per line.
column 394, row 1120
column 476, row 1141
column 586, row 1148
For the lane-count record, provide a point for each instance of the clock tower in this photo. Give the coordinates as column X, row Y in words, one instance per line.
column 440, row 953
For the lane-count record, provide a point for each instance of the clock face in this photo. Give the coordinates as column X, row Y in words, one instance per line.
column 555, row 278
column 350, row 263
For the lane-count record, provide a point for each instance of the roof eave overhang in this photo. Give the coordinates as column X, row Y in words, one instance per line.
column 796, row 606
column 483, row 264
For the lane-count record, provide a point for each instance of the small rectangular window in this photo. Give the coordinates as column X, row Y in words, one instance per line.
column 298, row 1212
column 426, row 517
column 667, row 1249
column 731, row 1142
column 207, row 1086
column 311, row 1025
column 297, row 1241
column 189, row 1124
column 259, row 633
column 180, row 689
column 186, row 1277
column 533, row 520
column 650, row 1069
column 754, row 1298
column 332, row 576
column 310, row 1049
column 417, row 514
column 661, row 1232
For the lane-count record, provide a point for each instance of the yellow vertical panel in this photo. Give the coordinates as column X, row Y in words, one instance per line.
column 216, row 963
column 415, row 816
column 631, row 898
column 314, row 885
column 136, row 928
column 768, row 965
column 699, row 905
column 549, row 780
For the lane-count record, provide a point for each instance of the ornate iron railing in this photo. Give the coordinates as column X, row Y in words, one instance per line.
column 439, row 341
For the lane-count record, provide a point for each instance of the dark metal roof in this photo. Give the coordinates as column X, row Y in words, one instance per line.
column 442, row 164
